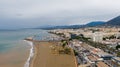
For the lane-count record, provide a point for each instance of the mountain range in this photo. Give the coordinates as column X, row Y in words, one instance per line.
column 91, row 24
column 113, row 22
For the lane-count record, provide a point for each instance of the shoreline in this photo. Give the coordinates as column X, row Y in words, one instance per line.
column 43, row 57
column 31, row 54
column 34, row 56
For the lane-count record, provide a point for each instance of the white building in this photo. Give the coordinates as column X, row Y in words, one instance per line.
column 97, row 36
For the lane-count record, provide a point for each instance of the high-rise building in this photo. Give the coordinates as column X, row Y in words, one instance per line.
column 97, row 36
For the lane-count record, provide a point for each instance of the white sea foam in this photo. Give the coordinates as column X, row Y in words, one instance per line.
column 27, row 64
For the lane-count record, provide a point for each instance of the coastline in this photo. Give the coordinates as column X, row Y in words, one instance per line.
column 31, row 54
column 34, row 56
column 43, row 57
column 17, row 56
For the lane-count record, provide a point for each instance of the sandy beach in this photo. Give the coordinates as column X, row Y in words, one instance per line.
column 44, row 58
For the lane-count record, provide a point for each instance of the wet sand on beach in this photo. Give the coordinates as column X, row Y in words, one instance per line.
column 16, row 57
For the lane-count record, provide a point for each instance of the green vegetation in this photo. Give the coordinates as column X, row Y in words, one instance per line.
column 104, row 47
column 64, row 43
column 63, row 48
column 75, row 52
column 109, row 37
column 80, row 37
column 67, row 51
column 117, row 47
column 118, row 54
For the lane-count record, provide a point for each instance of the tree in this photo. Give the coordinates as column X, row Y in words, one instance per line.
column 118, row 54
column 75, row 52
column 117, row 47
column 81, row 35
column 64, row 43
column 112, row 37
column 67, row 51
column 70, row 39
column 104, row 38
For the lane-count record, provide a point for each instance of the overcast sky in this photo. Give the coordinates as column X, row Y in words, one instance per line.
column 34, row 13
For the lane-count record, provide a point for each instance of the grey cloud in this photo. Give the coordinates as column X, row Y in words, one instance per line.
column 31, row 13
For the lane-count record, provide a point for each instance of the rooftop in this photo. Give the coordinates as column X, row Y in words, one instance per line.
column 102, row 64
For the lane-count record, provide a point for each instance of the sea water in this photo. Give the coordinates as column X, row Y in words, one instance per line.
column 14, row 51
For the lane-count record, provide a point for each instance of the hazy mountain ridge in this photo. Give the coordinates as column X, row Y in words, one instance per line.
column 114, row 22
column 95, row 23
column 91, row 24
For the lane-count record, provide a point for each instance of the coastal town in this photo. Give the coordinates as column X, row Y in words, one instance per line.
column 59, row 33
column 93, row 47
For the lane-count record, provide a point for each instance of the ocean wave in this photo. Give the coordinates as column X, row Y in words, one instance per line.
column 27, row 64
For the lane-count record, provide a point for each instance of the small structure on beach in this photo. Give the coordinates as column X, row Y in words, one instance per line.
column 29, row 38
